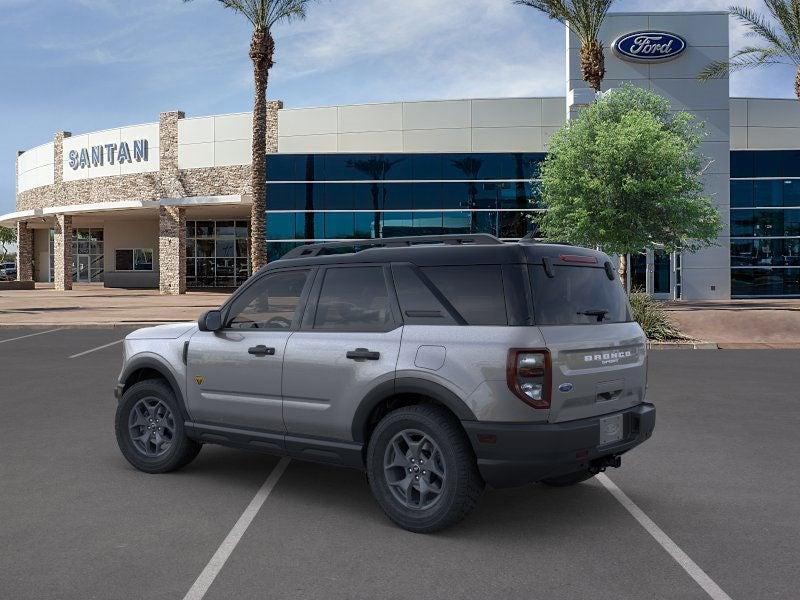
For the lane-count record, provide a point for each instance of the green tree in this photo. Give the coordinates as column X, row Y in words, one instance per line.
column 263, row 15
column 8, row 236
column 778, row 37
column 625, row 176
column 584, row 19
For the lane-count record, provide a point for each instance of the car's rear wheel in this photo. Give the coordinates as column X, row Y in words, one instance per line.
column 422, row 470
column 568, row 479
column 149, row 428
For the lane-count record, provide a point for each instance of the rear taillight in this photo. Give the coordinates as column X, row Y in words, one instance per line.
column 528, row 376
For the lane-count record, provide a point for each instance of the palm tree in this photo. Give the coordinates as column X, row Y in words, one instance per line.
column 263, row 15
column 780, row 42
column 584, row 19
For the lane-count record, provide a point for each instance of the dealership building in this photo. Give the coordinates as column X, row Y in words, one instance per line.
column 167, row 204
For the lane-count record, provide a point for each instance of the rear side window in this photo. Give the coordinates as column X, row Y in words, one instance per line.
column 419, row 304
column 353, row 299
column 475, row 291
column 577, row 296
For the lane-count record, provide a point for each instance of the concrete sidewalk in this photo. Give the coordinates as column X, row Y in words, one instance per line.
column 740, row 323
column 90, row 305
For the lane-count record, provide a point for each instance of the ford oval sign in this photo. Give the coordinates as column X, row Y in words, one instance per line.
column 649, row 46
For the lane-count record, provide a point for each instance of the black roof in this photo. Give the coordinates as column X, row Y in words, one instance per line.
column 438, row 250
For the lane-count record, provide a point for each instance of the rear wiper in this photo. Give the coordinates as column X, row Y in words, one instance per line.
column 599, row 313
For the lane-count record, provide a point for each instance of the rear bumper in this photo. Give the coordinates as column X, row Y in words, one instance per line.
column 527, row 452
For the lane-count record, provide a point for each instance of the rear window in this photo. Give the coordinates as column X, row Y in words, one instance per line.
column 577, row 296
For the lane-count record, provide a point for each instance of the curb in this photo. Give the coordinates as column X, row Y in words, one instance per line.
column 682, row 346
column 112, row 325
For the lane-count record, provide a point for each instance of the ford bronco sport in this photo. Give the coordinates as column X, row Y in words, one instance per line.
column 436, row 364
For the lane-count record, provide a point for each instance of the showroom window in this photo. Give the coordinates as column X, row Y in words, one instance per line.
column 333, row 197
column 765, row 223
column 217, row 253
column 133, row 259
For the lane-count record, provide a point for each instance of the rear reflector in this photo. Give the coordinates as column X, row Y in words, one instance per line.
column 487, row 438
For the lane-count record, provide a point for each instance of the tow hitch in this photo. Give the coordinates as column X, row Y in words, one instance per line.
column 601, row 464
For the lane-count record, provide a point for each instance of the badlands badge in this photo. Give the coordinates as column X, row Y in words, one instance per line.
column 199, row 379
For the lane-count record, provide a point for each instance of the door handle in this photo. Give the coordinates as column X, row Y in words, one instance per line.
column 261, row 350
column 363, row 354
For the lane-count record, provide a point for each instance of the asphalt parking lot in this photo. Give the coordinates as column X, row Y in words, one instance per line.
column 719, row 477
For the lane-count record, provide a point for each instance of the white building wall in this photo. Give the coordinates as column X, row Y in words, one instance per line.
column 215, row 141
column 765, row 124
column 706, row 274
column 35, row 167
column 481, row 125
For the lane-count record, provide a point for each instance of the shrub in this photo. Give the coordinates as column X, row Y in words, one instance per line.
column 654, row 320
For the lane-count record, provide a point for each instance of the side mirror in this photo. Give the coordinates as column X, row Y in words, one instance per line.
column 210, row 321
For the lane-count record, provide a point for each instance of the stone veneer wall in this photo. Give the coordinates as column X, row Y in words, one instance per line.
column 24, row 252
column 62, row 251
column 172, row 250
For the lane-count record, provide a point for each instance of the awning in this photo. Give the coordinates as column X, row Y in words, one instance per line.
column 11, row 219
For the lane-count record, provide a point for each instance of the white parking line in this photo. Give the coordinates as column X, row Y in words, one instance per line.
column 688, row 565
column 22, row 337
column 96, row 349
column 214, row 566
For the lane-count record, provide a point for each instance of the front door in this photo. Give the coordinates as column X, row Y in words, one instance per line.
column 234, row 375
column 347, row 346
column 83, row 269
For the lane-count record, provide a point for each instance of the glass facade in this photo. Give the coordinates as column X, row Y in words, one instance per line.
column 327, row 197
column 765, row 223
column 217, row 253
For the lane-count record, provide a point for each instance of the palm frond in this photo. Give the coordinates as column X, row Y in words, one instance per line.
column 745, row 58
column 583, row 17
column 759, row 26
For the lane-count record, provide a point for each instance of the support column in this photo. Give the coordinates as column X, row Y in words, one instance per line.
column 171, row 250
column 24, row 252
column 62, row 251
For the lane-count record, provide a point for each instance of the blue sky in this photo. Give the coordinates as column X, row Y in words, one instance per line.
column 84, row 65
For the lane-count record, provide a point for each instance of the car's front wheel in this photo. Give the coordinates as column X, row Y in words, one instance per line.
column 422, row 470
column 149, row 428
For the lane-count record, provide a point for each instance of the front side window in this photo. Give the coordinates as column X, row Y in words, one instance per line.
column 577, row 296
column 353, row 299
column 269, row 303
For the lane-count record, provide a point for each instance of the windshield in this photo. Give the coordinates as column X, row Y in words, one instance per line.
column 577, row 296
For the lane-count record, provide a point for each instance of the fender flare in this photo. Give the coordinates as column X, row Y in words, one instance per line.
column 407, row 385
column 154, row 364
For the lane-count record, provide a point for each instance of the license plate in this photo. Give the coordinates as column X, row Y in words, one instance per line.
column 611, row 429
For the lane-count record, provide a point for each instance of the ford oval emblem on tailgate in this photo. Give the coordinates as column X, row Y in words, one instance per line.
column 565, row 387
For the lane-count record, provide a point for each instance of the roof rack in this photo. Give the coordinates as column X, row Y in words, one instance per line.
column 478, row 239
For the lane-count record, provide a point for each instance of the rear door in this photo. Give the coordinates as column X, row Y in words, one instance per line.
column 234, row 375
column 347, row 345
column 597, row 351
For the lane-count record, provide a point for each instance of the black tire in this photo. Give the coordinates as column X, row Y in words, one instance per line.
column 460, row 488
column 568, row 479
column 180, row 451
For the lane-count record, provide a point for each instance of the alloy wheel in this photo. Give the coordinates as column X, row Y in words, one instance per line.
column 414, row 469
column 151, row 427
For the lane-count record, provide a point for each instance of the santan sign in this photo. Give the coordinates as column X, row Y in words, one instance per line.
column 97, row 156
column 649, row 46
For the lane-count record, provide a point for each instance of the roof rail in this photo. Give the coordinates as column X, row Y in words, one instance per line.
column 392, row 242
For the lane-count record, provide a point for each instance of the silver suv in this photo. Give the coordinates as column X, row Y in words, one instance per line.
column 436, row 364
